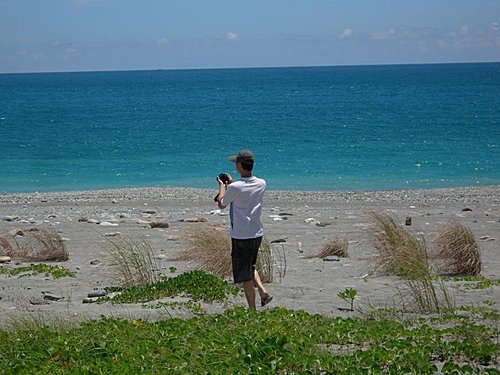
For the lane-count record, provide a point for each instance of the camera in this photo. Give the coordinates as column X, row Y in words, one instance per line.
column 225, row 179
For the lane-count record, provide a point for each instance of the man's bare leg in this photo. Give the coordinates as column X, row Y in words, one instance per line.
column 259, row 285
column 249, row 290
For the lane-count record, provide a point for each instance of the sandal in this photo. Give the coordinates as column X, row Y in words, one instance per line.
column 265, row 301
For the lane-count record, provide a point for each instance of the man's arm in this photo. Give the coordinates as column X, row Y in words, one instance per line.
column 222, row 191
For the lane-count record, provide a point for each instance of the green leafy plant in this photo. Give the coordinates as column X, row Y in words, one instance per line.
column 292, row 342
column 55, row 272
column 348, row 295
column 199, row 285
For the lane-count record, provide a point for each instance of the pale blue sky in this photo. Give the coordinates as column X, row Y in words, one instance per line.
column 75, row 35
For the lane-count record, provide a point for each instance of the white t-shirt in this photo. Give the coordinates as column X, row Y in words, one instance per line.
column 245, row 197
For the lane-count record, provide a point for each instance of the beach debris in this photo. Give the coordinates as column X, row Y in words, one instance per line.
column 97, row 293
column 486, row 238
column 195, row 220
column 95, row 262
column 322, row 224
column 90, row 299
column 312, row 220
column 276, row 217
column 83, row 220
column 16, row 232
column 408, row 220
column 331, row 258
column 149, row 212
column 112, row 234
column 10, row 218
column 52, row 216
column 108, row 224
column 49, row 296
column 173, row 238
column 5, row 259
column 93, row 221
column 158, row 224
column 466, row 209
column 214, row 212
column 39, row 301
column 285, row 214
column 279, row 240
column 299, row 247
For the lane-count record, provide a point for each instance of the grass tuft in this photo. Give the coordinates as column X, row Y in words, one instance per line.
column 459, row 250
column 134, row 261
column 38, row 245
column 210, row 248
column 336, row 246
column 399, row 251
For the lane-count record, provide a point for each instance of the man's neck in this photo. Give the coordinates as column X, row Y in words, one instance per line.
column 246, row 174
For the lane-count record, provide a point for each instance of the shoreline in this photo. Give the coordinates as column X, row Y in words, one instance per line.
column 310, row 284
column 168, row 192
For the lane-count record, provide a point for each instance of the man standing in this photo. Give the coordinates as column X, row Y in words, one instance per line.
column 245, row 199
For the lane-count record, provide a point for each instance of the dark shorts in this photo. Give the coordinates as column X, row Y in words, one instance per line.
column 244, row 256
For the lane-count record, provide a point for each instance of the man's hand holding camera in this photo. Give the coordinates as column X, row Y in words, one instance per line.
column 223, row 179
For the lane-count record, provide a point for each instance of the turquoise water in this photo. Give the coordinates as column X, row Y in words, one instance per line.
column 314, row 128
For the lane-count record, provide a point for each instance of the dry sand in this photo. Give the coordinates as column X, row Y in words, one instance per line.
column 309, row 284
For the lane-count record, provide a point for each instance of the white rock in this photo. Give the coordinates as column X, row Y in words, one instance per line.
column 312, row 220
column 93, row 221
column 108, row 224
column 5, row 259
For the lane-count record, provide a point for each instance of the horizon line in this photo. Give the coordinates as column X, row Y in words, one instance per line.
column 251, row 67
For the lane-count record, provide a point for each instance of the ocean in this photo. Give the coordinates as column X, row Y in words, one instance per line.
column 311, row 128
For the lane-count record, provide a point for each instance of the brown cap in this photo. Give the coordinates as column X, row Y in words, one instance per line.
column 244, row 156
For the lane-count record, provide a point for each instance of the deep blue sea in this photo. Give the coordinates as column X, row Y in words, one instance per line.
column 311, row 128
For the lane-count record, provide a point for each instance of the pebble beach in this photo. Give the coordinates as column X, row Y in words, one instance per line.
column 296, row 223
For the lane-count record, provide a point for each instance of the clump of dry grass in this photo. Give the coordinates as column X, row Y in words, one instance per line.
column 38, row 245
column 403, row 254
column 459, row 250
column 336, row 246
column 265, row 262
column 399, row 251
column 210, row 248
column 135, row 262
column 5, row 247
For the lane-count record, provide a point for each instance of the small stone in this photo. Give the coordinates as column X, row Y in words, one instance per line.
column 466, row 209
column 90, row 299
column 285, row 214
column 108, row 224
column 408, row 220
column 195, row 220
column 95, row 262
column 158, row 224
column 97, row 293
column 93, row 221
column 5, row 259
column 173, row 238
column 331, row 258
column 322, row 225
column 150, row 212
column 83, row 220
column 16, row 232
column 52, row 216
column 38, row 301
column 279, row 240
column 51, row 297
column 112, row 234
column 311, row 220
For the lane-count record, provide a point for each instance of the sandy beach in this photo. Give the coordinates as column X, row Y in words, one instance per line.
column 88, row 220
